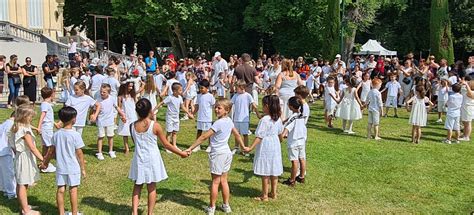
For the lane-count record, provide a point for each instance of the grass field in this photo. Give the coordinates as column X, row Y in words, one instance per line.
column 346, row 174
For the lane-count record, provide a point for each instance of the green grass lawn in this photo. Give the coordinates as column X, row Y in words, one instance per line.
column 346, row 174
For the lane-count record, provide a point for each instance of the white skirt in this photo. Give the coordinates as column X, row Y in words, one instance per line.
column 267, row 160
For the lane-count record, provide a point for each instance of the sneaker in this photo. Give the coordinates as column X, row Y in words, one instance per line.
column 210, row 210
column 350, row 132
column 197, row 149
column 100, row 156
column 185, row 117
column 208, row 150
column 112, row 154
column 51, row 168
column 439, row 121
column 377, row 138
column 70, row 213
column 246, row 154
column 464, row 139
column 12, row 196
column 250, row 132
column 456, row 141
column 447, row 141
column 345, row 131
column 225, row 208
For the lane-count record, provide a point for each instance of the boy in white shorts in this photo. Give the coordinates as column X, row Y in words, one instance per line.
column 241, row 102
column 66, row 146
column 173, row 102
column 453, row 114
column 375, row 106
column 394, row 88
column 46, row 123
column 7, row 169
column 204, row 104
column 106, row 120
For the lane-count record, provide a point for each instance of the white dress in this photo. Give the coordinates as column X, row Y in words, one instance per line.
column 128, row 106
column 64, row 94
column 268, row 160
column 147, row 165
column 349, row 108
column 151, row 97
column 365, row 90
column 419, row 114
column 26, row 169
column 192, row 92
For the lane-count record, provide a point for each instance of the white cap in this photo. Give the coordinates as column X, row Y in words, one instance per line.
column 338, row 56
column 217, row 54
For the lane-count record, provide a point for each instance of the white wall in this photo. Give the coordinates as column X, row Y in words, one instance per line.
column 36, row 51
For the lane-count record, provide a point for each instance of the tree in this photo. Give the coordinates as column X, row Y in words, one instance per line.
column 441, row 39
column 332, row 28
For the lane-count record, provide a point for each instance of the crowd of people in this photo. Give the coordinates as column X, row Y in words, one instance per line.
column 124, row 96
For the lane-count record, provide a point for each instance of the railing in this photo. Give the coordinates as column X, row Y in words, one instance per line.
column 10, row 30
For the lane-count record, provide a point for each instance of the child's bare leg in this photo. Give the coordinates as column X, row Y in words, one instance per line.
column 136, row 198
column 265, row 180
column 376, row 129
column 198, row 134
column 350, row 125
column 174, row 138
column 344, row 122
column 418, row 135
column 111, row 143
column 60, row 199
column 294, row 169
column 246, row 139
column 216, row 180
column 450, row 134
column 458, row 134
column 386, row 111
column 302, row 167
column 413, row 133
column 326, row 117
column 467, row 129
column 73, row 196
column 151, row 197
column 225, row 189
column 99, row 144
column 369, row 131
column 440, row 115
column 169, row 137
column 274, row 181
column 125, row 144
column 44, row 150
column 21, row 192
column 395, row 111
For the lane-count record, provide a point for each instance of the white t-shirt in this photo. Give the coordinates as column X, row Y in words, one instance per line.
column 393, row 88
column 96, row 82
column 173, row 103
column 219, row 66
column 454, row 105
column 87, row 80
column 181, row 77
column 241, row 104
column 159, row 79
column 296, row 130
column 205, row 103
column 114, row 85
column 82, row 105
column 66, row 142
column 71, row 85
column 219, row 140
column 107, row 112
column 375, row 100
column 49, row 117
column 306, row 112
column 170, row 83
column 136, row 83
column 443, row 94
column 5, row 127
column 72, row 48
column 326, row 71
column 453, row 79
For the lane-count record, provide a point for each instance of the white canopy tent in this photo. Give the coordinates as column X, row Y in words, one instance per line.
column 374, row 47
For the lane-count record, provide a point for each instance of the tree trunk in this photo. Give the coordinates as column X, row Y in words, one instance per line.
column 441, row 39
column 349, row 45
column 179, row 36
column 332, row 30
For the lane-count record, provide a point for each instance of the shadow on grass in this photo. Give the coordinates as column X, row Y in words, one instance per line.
column 181, row 197
column 107, row 207
column 237, row 190
column 11, row 204
column 247, row 174
column 43, row 207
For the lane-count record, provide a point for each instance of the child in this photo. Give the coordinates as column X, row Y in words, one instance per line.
column 467, row 110
column 150, row 91
column 147, row 165
column 330, row 100
column 106, row 120
column 255, row 89
column 167, row 91
column 443, row 90
column 365, row 85
column 204, row 104
column 267, row 162
column 111, row 79
column 242, row 101
column 394, row 88
column 46, row 123
column 66, row 147
column 220, row 156
column 96, row 82
column 173, row 102
column 296, row 131
column 302, row 93
column 74, row 74
column 82, row 103
column 137, row 82
column 419, row 113
column 126, row 103
column 7, row 172
column 190, row 93
column 22, row 140
column 453, row 114
column 310, row 85
column 159, row 80
column 220, row 85
column 375, row 106
column 350, row 106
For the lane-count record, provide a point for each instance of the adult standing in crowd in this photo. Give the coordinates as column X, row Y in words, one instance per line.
column 85, row 48
column 151, row 62
column 469, row 69
column 141, row 66
column 49, row 70
column 246, row 73
column 29, row 72
column 14, row 81
column 285, row 84
column 406, row 81
column 338, row 62
column 274, row 70
column 2, row 72
column 72, row 49
column 219, row 65
column 443, row 70
column 199, row 70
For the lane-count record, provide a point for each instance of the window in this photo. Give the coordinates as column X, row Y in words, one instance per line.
column 4, row 10
column 35, row 13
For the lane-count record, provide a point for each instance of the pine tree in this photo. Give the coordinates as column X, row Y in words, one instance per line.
column 441, row 38
column 332, row 30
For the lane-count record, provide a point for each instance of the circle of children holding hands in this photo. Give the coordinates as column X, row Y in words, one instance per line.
column 135, row 101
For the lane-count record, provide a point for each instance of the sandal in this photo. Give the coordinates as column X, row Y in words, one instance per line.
column 300, row 180
column 272, row 196
column 289, row 182
column 260, row 198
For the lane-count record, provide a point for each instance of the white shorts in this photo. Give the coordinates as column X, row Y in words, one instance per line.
column 442, row 106
column 330, row 107
column 7, row 176
column 242, row 127
column 47, row 137
column 70, row 180
column 297, row 153
column 203, row 126
column 374, row 118
column 172, row 126
column 78, row 129
column 392, row 101
column 452, row 123
column 106, row 130
column 467, row 113
column 220, row 163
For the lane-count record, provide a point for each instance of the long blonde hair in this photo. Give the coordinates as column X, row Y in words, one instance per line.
column 22, row 114
column 286, row 65
column 150, row 84
column 64, row 76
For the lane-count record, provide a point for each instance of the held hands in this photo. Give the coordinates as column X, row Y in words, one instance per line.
column 83, row 172
column 247, row 149
column 93, row 118
column 186, row 153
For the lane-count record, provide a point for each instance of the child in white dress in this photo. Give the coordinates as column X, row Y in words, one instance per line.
column 330, row 100
column 419, row 112
column 149, row 91
column 267, row 162
column 147, row 165
column 467, row 109
column 65, row 78
column 365, row 85
column 22, row 140
column 82, row 103
column 310, row 85
column 7, row 172
column 190, row 93
column 126, row 102
column 220, row 85
column 350, row 106
column 220, row 156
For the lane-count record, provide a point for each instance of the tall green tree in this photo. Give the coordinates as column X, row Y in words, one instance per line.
column 441, row 38
column 332, row 28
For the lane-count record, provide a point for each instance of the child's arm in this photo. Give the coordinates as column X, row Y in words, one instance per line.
column 82, row 164
column 31, row 145
column 284, row 134
column 96, row 113
column 48, row 156
column 165, row 89
column 254, row 108
column 121, row 113
column 340, row 99
column 40, row 122
column 159, row 105
column 358, row 99
column 187, row 111
column 430, row 104
column 196, row 109
column 158, row 132
column 201, row 139
column 257, row 141
column 238, row 138
column 469, row 92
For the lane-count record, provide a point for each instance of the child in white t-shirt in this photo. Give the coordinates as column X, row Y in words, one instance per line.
column 46, row 123
column 330, row 100
column 106, row 120
column 96, row 82
column 173, row 103
column 242, row 102
column 112, row 81
column 310, row 85
column 220, row 156
column 220, row 85
column 82, row 103
column 375, row 109
column 7, row 169
column 74, row 73
column 204, row 104
column 443, row 92
column 453, row 114
column 66, row 147
column 394, row 88
column 302, row 93
column 159, row 80
column 167, row 91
